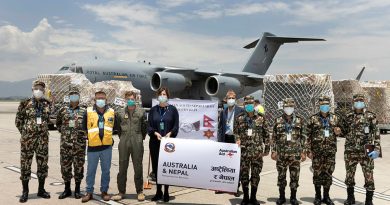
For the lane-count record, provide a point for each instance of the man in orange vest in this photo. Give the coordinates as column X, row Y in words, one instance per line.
column 99, row 122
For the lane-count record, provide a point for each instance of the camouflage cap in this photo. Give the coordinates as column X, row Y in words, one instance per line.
column 100, row 90
column 38, row 83
column 324, row 100
column 73, row 90
column 289, row 102
column 249, row 99
column 358, row 96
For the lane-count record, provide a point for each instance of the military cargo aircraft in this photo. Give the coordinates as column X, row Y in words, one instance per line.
column 189, row 83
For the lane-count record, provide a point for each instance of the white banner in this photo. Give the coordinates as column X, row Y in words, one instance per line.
column 198, row 118
column 199, row 164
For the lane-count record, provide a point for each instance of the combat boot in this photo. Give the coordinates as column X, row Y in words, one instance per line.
column 326, row 198
column 351, row 197
column 41, row 189
column 67, row 192
column 253, row 199
column 317, row 199
column 282, row 197
column 24, row 197
column 293, row 198
column 369, row 195
column 77, row 194
column 245, row 200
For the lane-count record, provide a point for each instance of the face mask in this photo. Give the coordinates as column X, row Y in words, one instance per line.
column 325, row 108
column 225, row 106
column 130, row 103
column 288, row 110
column 249, row 107
column 162, row 99
column 74, row 98
column 38, row 93
column 231, row 102
column 359, row 105
column 100, row 103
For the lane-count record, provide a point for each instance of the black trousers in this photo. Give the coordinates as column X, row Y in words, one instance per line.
column 154, row 148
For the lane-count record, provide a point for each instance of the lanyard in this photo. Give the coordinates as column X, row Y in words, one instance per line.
column 73, row 113
column 162, row 114
column 38, row 108
column 289, row 126
column 231, row 115
column 325, row 121
column 249, row 121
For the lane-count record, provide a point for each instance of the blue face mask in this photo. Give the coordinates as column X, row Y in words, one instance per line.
column 130, row 103
column 359, row 105
column 100, row 103
column 325, row 108
column 162, row 99
column 249, row 107
column 225, row 106
column 74, row 98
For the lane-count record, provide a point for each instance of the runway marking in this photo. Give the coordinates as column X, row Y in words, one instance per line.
column 17, row 170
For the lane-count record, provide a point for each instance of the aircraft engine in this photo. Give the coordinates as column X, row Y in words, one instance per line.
column 218, row 85
column 173, row 81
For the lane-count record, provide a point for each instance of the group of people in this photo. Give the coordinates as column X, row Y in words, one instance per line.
column 291, row 140
column 89, row 131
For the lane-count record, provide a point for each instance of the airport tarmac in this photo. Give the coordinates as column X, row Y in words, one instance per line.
column 11, row 187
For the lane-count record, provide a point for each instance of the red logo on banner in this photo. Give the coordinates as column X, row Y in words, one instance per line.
column 208, row 133
column 207, row 121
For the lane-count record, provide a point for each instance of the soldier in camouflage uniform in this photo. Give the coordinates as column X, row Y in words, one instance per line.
column 32, row 120
column 321, row 147
column 288, row 140
column 73, row 142
column 361, row 129
column 131, row 132
column 253, row 136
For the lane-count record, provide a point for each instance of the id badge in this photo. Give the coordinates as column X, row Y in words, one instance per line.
column 71, row 123
column 289, row 136
column 162, row 126
column 326, row 133
column 101, row 125
column 126, row 116
column 250, row 132
column 367, row 130
column 39, row 120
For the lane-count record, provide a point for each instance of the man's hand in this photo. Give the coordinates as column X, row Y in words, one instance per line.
column 274, row 156
column 337, row 130
column 238, row 142
column 303, row 157
column 158, row 135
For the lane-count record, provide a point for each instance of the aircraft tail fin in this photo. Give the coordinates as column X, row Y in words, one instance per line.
column 360, row 74
column 265, row 50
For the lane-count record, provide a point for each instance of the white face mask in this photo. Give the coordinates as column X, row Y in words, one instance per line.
column 231, row 102
column 37, row 93
column 162, row 99
column 288, row 110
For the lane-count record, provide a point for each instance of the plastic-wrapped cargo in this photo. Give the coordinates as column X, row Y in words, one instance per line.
column 378, row 98
column 343, row 91
column 304, row 88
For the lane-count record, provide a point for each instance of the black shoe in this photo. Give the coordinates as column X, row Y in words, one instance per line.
column 326, row 198
column 41, row 190
column 67, row 192
column 282, row 197
column 24, row 197
column 245, row 200
column 166, row 193
column 369, row 195
column 159, row 193
column 351, row 197
column 317, row 199
column 77, row 194
column 293, row 198
column 253, row 199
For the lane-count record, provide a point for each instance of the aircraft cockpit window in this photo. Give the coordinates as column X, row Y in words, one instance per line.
column 79, row 70
column 72, row 69
column 64, row 68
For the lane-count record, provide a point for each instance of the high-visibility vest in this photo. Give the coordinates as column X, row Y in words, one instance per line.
column 93, row 127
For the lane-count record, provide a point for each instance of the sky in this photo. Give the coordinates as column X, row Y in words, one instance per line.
column 39, row 36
